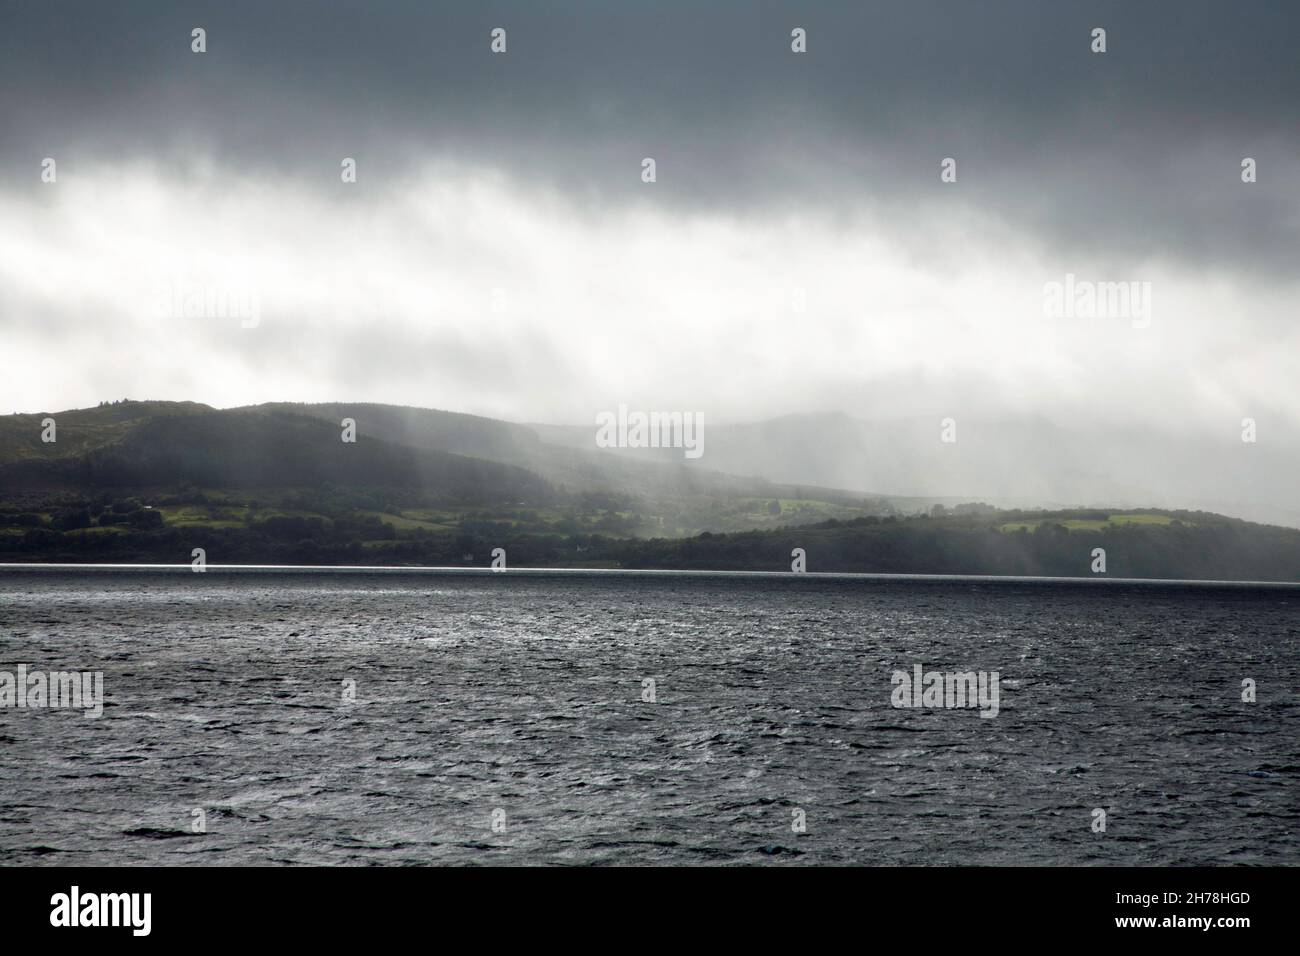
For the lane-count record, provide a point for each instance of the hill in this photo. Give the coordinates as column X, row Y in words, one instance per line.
column 1015, row 462
column 159, row 447
column 410, row 467
column 150, row 481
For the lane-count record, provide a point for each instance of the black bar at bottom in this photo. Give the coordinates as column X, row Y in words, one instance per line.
column 330, row 906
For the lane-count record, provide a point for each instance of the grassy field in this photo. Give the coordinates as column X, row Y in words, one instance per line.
column 1082, row 524
column 220, row 516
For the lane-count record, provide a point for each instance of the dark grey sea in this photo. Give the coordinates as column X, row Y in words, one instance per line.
column 400, row 717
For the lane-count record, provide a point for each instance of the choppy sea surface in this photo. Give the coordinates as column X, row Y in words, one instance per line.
column 503, row 719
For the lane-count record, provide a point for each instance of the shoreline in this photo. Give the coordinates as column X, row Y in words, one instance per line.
column 452, row 571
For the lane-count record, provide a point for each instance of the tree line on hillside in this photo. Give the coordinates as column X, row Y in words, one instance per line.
column 1210, row 548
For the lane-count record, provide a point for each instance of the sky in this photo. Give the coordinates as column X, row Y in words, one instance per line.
column 798, row 251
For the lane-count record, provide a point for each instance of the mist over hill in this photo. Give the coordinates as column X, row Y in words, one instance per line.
column 400, row 458
column 1020, row 462
column 1026, row 463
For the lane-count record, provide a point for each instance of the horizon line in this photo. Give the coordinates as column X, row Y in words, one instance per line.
column 681, row 572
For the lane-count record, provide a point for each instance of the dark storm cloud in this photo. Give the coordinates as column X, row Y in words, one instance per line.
column 1134, row 153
